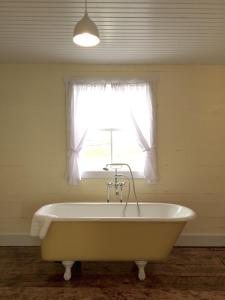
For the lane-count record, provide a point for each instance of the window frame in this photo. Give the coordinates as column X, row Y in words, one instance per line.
column 73, row 171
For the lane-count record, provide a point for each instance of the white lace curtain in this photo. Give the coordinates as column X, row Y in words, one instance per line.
column 78, row 122
column 80, row 119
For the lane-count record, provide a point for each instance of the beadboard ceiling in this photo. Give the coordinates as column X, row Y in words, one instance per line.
column 131, row 31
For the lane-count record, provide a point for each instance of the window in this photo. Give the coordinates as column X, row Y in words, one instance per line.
column 111, row 137
column 110, row 123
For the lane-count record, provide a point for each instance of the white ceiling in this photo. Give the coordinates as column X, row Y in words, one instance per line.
column 132, row 31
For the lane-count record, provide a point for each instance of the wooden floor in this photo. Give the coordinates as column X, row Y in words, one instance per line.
column 189, row 273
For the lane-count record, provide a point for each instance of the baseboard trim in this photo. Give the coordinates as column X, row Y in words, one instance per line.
column 185, row 240
column 18, row 240
column 201, row 240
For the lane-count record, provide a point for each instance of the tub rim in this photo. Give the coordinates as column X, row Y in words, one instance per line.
column 191, row 214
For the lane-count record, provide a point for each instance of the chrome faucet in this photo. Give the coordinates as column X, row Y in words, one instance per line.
column 119, row 182
column 118, row 185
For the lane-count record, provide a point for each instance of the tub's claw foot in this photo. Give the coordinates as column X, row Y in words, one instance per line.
column 68, row 266
column 141, row 268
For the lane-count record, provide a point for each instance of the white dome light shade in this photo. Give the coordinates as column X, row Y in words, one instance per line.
column 86, row 33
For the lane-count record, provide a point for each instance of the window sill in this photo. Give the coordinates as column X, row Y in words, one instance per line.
column 109, row 174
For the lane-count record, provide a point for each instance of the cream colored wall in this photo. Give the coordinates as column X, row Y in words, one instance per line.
column 191, row 141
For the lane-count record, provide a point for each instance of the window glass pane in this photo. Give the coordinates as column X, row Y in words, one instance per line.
column 96, row 151
column 126, row 150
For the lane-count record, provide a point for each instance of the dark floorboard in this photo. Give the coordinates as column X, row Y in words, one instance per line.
column 188, row 273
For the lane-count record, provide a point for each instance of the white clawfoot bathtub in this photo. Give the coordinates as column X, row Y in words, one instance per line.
column 106, row 232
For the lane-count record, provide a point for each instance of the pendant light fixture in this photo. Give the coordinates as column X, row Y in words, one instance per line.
column 86, row 32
